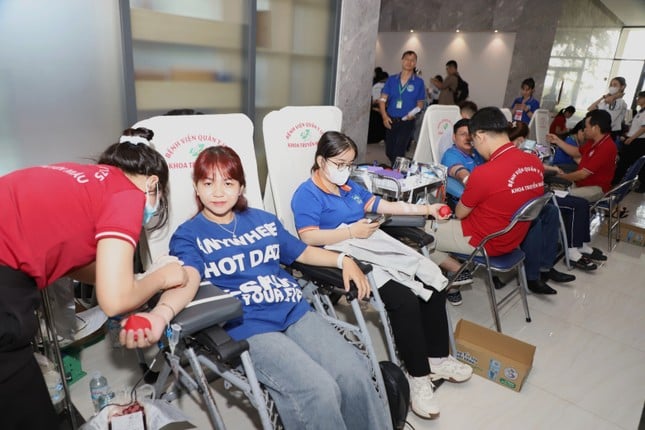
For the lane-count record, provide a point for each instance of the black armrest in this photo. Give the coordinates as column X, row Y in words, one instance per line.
column 211, row 306
column 405, row 221
column 330, row 277
column 417, row 236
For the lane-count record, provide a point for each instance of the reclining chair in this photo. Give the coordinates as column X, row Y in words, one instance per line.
column 196, row 336
column 283, row 183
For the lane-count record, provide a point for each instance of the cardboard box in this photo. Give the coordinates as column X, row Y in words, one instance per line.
column 632, row 228
column 494, row 355
column 628, row 233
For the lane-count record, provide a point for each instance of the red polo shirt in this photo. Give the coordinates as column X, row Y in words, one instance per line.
column 599, row 159
column 495, row 191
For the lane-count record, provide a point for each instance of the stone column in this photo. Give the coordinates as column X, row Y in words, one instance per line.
column 356, row 53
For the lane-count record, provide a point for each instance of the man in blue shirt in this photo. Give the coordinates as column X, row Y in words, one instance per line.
column 460, row 159
column 402, row 98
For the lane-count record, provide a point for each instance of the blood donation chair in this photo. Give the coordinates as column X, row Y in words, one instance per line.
column 196, row 348
column 437, row 120
column 283, row 143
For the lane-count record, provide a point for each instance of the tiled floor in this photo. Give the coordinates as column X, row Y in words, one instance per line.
column 588, row 370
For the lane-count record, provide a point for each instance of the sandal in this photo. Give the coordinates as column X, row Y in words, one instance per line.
column 595, row 255
column 584, row 263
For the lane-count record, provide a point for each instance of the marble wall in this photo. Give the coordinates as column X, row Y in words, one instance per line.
column 356, row 52
column 533, row 22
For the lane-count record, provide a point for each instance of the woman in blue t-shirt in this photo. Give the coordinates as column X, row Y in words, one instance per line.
column 564, row 148
column 329, row 209
column 317, row 379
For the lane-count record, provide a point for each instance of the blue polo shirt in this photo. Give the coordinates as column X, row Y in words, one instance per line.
column 412, row 92
column 561, row 157
column 532, row 103
column 453, row 156
column 315, row 207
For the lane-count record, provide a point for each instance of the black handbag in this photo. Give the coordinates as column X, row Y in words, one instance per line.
column 398, row 392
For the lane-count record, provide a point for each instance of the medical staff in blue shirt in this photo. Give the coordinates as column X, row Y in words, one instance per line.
column 402, row 98
column 525, row 105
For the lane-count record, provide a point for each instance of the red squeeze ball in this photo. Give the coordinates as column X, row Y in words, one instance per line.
column 444, row 211
column 136, row 322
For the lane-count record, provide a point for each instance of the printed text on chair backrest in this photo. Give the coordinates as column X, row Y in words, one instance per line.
column 290, row 138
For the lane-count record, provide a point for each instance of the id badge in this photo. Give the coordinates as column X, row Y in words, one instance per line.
column 518, row 115
column 399, row 104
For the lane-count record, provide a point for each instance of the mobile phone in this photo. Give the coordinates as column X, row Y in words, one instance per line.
column 378, row 218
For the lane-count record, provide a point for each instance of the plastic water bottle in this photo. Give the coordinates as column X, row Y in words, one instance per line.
column 100, row 391
column 113, row 329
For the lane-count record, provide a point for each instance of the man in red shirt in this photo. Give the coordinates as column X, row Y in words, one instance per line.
column 494, row 191
column 596, row 159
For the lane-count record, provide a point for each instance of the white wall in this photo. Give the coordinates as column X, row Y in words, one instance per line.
column 484, row 58
column 61, row 81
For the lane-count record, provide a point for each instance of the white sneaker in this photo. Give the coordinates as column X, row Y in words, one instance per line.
column 422, row 399
column 451, row 370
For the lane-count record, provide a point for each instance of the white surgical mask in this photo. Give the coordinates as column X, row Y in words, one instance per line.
column 336, row 175
column 613, row 90
column 149, row 210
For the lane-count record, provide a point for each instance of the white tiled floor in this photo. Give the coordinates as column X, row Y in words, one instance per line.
column 588, row 370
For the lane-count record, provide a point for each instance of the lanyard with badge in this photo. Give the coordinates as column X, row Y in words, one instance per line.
column 520, row 111
column 399, row 102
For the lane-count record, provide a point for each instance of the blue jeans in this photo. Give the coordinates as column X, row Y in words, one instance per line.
column 317, row 379
column 541, row 243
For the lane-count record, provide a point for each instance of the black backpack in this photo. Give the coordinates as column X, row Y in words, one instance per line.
column 461, row 93
column 398, row 392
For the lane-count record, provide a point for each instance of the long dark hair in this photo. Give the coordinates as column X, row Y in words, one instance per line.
column 570, row 109
column 517, row 129
column 224, row 160
column 140, row 158
column 332, row 143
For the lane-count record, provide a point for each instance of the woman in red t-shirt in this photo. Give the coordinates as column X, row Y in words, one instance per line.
column 559, row 123
column 81, row 221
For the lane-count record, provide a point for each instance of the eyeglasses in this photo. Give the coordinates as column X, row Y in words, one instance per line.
column 341, row 165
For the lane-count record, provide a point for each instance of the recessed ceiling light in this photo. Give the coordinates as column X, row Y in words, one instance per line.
column 411, row 31
column 457, row 30
column 496, row 31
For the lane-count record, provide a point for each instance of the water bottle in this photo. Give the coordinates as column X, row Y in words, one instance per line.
column 113, row 329
column 100, row 391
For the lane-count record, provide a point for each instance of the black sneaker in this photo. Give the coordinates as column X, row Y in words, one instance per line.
column 454, row 297
column 464, row 278
column 584, row 263
column 595, row 255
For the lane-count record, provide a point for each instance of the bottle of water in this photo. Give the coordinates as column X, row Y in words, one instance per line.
column 100, row 391
column 113, row 329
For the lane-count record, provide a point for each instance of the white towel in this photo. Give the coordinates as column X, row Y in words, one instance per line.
column 394, row 260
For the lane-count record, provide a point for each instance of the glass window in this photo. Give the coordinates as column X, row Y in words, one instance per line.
column 61, row 95
column 189, row 54
column 583, row 61
column 632, row 44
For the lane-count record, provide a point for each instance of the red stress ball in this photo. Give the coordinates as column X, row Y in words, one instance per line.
column 444, row 211
column 135, row 322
